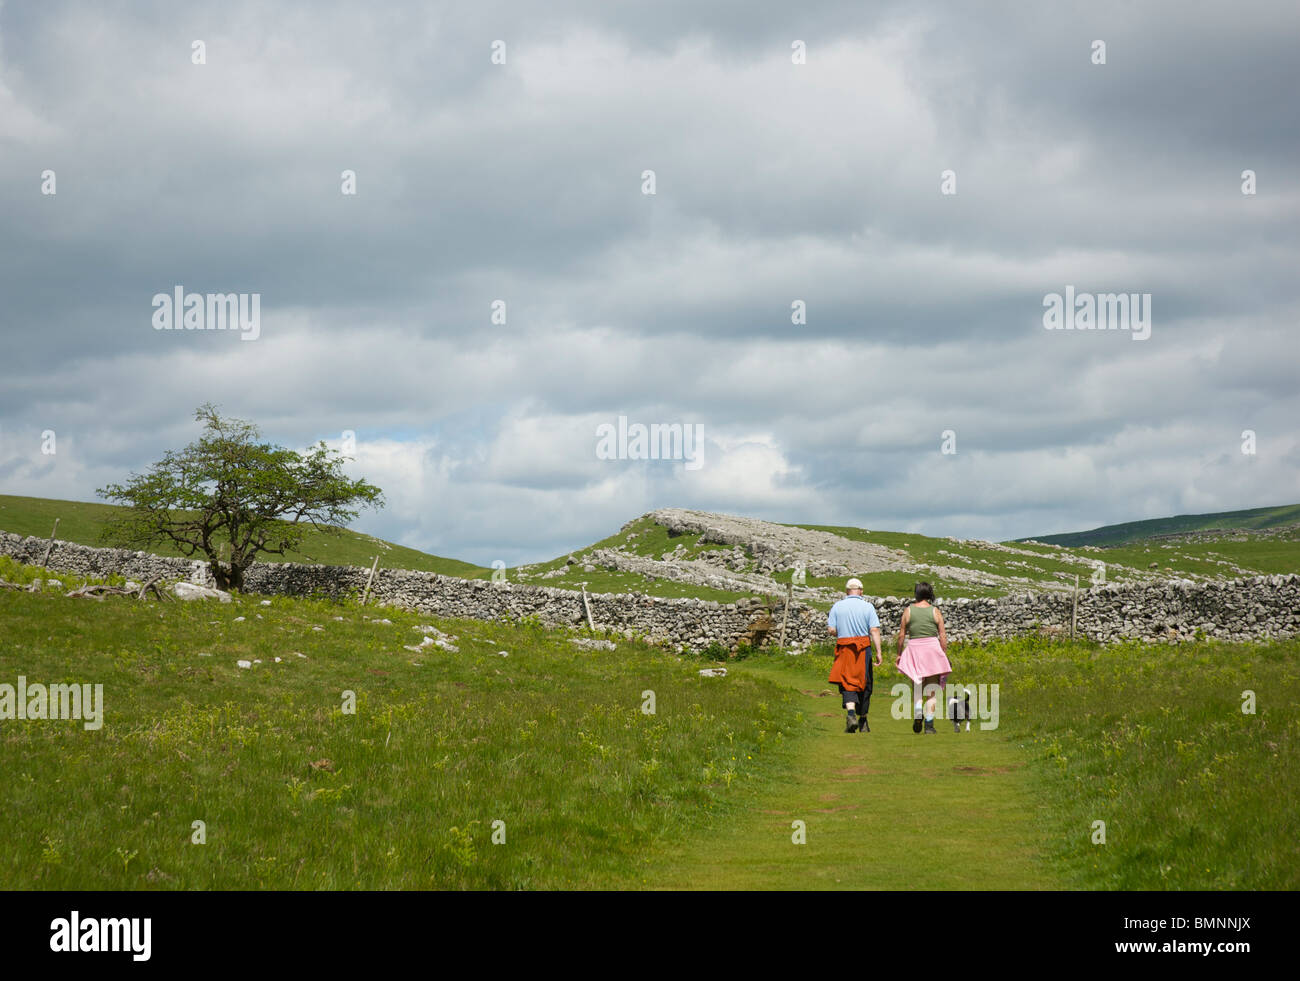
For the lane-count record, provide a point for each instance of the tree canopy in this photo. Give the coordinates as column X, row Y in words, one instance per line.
column 230, row 490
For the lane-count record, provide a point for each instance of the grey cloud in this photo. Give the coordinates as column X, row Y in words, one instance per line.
column 776, row 182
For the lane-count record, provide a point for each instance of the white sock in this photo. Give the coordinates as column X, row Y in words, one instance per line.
column 851, row 706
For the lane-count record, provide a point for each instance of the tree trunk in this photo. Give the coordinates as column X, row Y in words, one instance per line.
column 228, row 575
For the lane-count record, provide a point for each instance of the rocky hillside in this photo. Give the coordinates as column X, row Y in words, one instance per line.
column 679, row 552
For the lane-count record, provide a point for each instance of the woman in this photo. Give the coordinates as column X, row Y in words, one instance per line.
column 925, row 658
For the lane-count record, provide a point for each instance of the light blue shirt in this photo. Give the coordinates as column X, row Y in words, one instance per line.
column 853, row 616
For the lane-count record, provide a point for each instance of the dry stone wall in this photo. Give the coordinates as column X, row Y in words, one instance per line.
column 1174, row 610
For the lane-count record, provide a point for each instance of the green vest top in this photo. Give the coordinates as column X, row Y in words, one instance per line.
column 920, row 622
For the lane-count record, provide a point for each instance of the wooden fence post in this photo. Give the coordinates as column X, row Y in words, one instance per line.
column 50, row 547
column 587, row 606
column 369, row 579
column 785, row 615
column 1074, row 607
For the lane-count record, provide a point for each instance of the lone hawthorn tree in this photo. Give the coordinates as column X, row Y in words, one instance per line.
column 229, row 490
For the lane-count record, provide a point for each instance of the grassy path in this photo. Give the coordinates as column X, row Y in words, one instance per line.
column 887, row 809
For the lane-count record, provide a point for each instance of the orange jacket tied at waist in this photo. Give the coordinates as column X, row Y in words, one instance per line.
column 850, row 667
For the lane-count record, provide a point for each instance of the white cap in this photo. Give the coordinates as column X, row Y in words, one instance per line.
column 853, row 584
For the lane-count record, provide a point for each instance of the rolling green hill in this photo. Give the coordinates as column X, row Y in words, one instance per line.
column 1255, row 519
column 84, row 523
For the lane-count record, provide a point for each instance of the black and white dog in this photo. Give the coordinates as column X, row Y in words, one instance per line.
column 959, row 710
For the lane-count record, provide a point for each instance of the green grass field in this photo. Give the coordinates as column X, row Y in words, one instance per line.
column 1194, row 794
column 594, row 793
column 548, row 739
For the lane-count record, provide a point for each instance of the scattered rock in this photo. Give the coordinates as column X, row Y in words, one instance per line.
column 192, row 591
column 592, row 643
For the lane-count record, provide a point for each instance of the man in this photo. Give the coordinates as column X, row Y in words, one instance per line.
column 856, row 628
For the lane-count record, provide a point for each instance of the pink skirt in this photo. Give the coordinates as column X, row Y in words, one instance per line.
column 923, row 657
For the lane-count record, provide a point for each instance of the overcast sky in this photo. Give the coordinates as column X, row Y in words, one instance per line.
column 774, row 181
